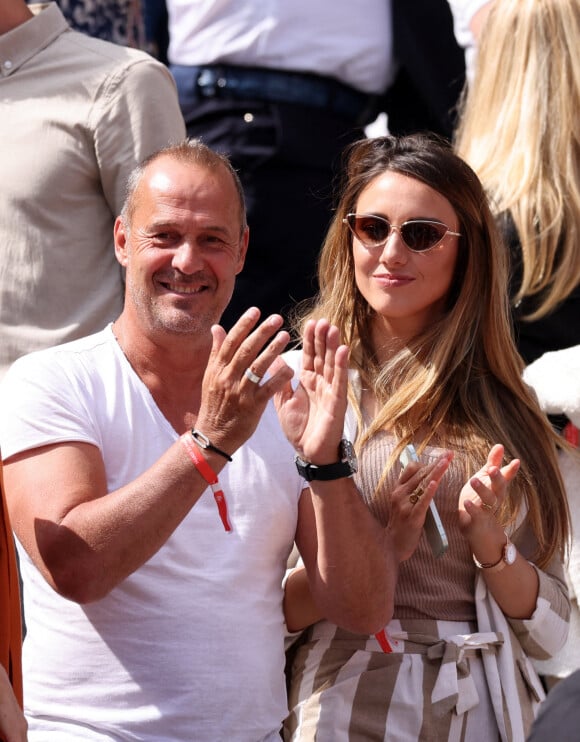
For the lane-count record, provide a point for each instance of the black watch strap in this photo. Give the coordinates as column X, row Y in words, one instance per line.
column 327, row 472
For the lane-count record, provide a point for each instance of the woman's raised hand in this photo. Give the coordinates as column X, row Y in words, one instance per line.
column 483, row 494
column 312, row 415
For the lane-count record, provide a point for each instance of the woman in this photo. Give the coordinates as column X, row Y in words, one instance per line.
column 414, row 275
column 518, row 130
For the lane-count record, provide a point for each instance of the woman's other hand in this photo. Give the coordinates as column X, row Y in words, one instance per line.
column 410, row 501
column 483, row 494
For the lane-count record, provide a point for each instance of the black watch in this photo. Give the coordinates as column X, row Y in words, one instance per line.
column 343, row 468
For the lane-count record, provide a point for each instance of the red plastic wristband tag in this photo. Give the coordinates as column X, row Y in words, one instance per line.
column 571, row 434
column 210, row 477
column 381, row 637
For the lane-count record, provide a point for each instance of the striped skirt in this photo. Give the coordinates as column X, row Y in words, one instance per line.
column 430, row 688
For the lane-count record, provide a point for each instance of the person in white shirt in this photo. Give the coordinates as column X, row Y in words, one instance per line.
column 154, row 601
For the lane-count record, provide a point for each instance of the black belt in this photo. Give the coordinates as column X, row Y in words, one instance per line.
column 273, row 86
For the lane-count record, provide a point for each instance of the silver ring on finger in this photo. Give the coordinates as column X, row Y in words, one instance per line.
column 254, row 378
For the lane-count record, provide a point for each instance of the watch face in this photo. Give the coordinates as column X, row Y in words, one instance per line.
column 348, row 454
column 510, row 553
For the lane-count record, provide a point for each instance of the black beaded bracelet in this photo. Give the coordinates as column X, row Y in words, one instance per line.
column 204, row 442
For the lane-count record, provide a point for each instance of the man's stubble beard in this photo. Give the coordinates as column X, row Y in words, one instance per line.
column 172, row 320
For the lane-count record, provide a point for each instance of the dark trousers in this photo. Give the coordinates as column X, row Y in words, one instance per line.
column 431, row 69
column 287, row 156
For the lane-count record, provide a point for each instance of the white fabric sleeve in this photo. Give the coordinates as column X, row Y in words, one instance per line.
column 555, row 377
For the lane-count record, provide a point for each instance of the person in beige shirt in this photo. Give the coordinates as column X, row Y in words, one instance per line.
column 76, row 115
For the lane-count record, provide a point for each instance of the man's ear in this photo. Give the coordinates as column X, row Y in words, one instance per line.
column 120, row 236
column 243, row 250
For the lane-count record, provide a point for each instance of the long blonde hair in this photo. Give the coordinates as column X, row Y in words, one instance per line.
column 519, row 130
column 460, row 379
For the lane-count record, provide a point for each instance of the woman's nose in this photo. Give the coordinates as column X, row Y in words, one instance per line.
column 394, row 248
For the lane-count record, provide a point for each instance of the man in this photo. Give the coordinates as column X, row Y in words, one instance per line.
column 76, row 115
column 154, row 603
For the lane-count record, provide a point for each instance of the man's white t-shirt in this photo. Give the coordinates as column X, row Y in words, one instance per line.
column 191, row 645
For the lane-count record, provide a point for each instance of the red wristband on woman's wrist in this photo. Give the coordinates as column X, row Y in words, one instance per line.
column 210, row 477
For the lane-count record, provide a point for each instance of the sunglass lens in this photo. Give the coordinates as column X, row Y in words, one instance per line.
column 371, row 230
column 420, row 236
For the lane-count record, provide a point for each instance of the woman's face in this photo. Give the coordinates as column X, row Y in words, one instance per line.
column 406, row 289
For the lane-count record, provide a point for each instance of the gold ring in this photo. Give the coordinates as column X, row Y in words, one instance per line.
column 491, row 508
column 416, row 495
column 254, row 378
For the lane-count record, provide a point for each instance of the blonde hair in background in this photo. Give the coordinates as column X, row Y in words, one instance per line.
column 520, row 131
column 460, row 379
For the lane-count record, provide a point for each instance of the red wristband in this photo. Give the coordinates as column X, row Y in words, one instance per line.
column 381, row 637
column 210, row 477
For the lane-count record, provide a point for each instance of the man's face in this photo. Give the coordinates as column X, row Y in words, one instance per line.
column 183, row 248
